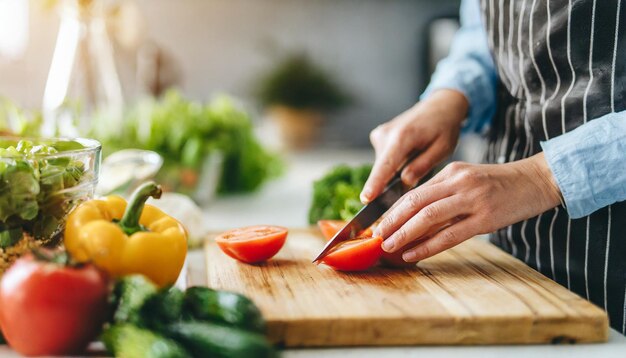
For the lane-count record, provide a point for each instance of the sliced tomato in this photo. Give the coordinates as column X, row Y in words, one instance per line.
column 396, row 260
column 369, row 232
column 331, row 227
column 355, row 255
column 252, row 244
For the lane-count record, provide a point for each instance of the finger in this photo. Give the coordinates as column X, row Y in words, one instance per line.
column 409, row 205
column 421, row 165
column 433, row 215
column 377, row 136
column 442, row 176
column 384, row 169
column 443, row 240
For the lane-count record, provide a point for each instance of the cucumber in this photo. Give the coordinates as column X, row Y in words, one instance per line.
column 164, row 307
column 129, row 295
column 129, row 341
column 205, row 304
column 204, row 339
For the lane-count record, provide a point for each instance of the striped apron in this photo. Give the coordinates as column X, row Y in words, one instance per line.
column 561, row 63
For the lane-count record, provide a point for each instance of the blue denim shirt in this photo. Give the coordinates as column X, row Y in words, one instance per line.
column 588, row 163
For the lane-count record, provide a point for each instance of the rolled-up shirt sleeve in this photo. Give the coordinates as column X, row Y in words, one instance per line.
column 469, row 69
column 589, row 164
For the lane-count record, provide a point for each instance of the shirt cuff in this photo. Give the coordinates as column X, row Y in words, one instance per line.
column 589, row 164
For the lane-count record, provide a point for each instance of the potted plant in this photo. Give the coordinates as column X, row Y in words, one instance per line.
column 297, row 94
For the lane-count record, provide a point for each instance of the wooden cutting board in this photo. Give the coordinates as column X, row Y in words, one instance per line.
column 472, row 294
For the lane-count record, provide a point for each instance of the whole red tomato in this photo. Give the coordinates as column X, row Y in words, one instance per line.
column 51, row 309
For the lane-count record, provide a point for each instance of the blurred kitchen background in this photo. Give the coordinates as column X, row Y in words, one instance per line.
column 220, row 96
column 379, row 53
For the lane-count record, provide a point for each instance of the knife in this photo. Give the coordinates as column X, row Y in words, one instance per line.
column 373, row 210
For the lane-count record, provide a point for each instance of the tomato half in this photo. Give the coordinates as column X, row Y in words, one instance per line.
column 369, row 232
column 355, row 255
column 50, row 309
column 252, row 244
column 395, row 259
column 330, row 228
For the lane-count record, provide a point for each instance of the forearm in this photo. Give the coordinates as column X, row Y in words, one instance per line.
column 469, row 69
column 449, row 103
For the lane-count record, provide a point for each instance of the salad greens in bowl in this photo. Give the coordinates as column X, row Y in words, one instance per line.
column 41, row 180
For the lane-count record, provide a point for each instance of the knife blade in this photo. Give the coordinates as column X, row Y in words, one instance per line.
column 367, row 215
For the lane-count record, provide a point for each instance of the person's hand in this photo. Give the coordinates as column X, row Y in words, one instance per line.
column 431, row 127
column 464, row 200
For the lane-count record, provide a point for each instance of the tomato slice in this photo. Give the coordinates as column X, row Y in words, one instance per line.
column 355, row 255
column 252, row 244
column 330, row 228
column 395, row 260
column 369, row 232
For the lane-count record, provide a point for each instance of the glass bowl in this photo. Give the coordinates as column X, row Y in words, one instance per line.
column 41, row 181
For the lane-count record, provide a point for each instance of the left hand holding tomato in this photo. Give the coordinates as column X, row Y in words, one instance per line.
column 465, row 200
column 47, row 308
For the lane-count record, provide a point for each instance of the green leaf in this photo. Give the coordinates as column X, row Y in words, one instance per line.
column 185, row 132
column 10, row 237
column 336, row 194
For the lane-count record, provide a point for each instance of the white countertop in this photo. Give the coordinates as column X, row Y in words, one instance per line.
column 285, row 202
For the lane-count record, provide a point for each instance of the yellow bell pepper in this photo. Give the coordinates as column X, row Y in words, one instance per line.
column 128, row 239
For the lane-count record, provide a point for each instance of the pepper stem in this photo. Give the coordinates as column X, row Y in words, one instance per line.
column 130, row 221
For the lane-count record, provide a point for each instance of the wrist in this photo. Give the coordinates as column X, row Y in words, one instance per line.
column 448, row 103
column 546, row 180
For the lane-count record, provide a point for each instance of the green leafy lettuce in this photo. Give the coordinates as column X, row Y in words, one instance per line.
column 186, row 132
column 36, row 190
column 336, row 194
